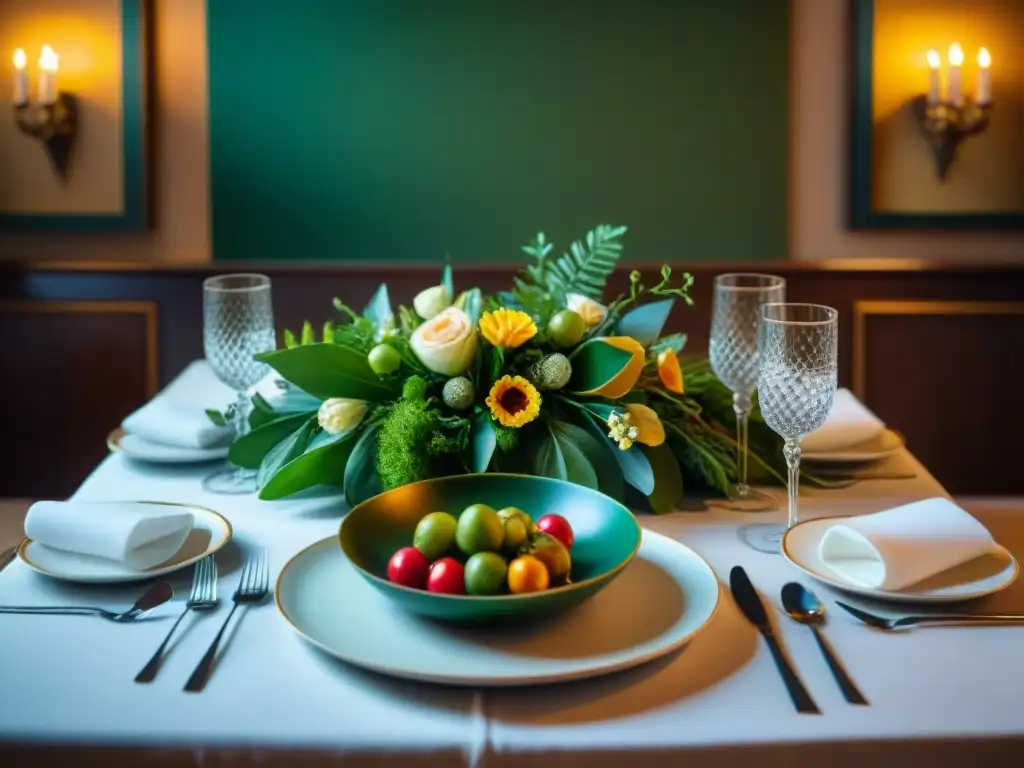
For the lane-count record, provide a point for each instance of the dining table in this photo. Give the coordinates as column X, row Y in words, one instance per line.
column 947, row 695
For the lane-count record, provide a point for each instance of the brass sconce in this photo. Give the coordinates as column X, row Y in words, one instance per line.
column 53, row 119
column 947, row 122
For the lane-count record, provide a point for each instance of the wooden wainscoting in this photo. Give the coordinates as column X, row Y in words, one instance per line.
column 71, row 369
column 943, row 376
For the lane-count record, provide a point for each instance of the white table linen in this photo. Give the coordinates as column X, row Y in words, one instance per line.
column 849, row 423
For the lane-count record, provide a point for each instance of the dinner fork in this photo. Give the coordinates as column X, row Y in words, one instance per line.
column 253, row 585
column 203, row 597
column 880, row 622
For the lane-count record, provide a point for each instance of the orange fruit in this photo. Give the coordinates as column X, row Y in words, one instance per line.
column 527, row 574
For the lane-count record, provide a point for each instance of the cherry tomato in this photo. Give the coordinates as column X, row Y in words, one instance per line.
column 446, row 576
column 408, row 567
column 558, row 527
column 527, row 574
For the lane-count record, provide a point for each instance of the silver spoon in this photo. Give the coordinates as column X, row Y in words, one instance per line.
column 803, row 606
column 155, row 596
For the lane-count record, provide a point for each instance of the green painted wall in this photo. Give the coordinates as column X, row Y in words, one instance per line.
column 411, row 129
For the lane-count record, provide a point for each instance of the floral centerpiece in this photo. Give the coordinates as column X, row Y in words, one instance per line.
column 548, row 378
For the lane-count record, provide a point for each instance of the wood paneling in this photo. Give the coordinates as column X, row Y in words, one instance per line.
column 72, row 370
column 944, row 381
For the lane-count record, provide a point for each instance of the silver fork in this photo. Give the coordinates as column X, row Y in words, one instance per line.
column 881, row 622
column 203, row 597
column 253, row 585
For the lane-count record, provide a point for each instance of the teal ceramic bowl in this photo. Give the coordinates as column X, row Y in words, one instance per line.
column 607, row 537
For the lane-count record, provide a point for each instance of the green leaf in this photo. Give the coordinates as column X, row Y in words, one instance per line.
column 644, row 323
column 218, row 418
column 557, row 457
column 471, row 302
column 248, row 450
column 584, row 269
column 286, row 450
column 484, row 440
column 289, row 339
column 497, row 363
column 547, row 457
column 327, row 370
column 308, row 337
column 448, row 281
column 673, row 342
column 361, row 480
column 636, row 469
column 323, row 463
column 594, row 364
column 597, row 454
column 379, row 309
column 668, row 478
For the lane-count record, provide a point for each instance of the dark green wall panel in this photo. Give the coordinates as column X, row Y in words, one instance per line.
column 408, row 129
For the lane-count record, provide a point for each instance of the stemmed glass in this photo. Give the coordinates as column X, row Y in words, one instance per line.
column 238, row 322
column 798, row 347
column 735, row 318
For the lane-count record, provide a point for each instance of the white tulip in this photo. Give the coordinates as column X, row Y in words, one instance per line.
column 431, row 302
column 447, row 343
column 591, row 311
column 340, row 414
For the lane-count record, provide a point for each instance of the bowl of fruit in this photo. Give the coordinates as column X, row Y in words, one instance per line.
column 486, row 547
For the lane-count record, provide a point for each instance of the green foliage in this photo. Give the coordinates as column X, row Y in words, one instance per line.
column 222, row 419
column 594, row 364
column 286, row 450
column 668, row 478
column 307, row 335
column 321, row 463
column 484, row 439
column 361, row 480
column 584, row 269
column 327, row 370
column 471, row 302
column 378, row 311
column 507, row 438
column 248, row 450
column 644, row 323
column 558, row 457
column 358, row 332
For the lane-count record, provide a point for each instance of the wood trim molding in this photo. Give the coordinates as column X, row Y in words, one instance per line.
column 863, row 309
column 146, row 309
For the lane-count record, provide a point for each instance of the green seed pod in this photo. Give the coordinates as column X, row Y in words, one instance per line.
column 458, row 393
column 553, row 372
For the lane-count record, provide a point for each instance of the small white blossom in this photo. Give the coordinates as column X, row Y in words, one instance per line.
column 621, row 431
column 625, row 444
column 340, row 414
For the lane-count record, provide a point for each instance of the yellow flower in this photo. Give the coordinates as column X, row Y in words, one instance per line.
column 507, row 328
column 513, row 401
column 650, row 430
column 669, row 372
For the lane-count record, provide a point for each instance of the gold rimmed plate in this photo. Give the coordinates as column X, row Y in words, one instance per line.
column 884, row 445
column 210, row 532
column 140, row 449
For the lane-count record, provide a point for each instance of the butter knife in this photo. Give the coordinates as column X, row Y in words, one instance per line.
column 750, row 604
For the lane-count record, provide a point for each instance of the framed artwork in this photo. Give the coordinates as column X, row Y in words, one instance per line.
column 104, row 63
column 937, row 114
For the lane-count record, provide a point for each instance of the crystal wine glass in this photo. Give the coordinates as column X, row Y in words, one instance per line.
column 238, row 322
column 798, row 345
column 733, row 351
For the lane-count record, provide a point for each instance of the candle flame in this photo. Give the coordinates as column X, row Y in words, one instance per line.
column 984, row 58
column 48, row 61
column 956, row 55
column 933, row 59
column 20, row 59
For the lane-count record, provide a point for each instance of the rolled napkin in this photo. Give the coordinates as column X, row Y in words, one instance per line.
column 134, row 534
column 849, row 423
column 893, row 549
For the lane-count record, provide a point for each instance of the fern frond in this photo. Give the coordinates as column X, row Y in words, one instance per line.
column 586, row 267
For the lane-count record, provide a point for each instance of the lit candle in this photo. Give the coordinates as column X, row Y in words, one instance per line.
column 984, row 76
column 956, row 61
column 48, row 76
column 20, row 77
column 933, row 77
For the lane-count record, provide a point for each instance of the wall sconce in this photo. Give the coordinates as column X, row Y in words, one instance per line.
column 947, row 122
column 53, row 119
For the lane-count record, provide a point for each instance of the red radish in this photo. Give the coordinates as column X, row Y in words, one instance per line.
column 409, row 568
column 446, row 576
column 557, row 527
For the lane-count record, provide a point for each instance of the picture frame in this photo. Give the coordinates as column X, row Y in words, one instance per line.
column 861, row 211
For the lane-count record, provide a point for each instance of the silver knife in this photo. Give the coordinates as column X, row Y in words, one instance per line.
column 7, row 557
column 750, row 604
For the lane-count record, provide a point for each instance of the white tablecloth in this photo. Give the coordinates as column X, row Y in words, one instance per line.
column 934, row 693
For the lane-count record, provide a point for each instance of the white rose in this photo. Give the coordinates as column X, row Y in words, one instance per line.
column 340, row 414
column 432, row 302
column 591, row 312
column 447, row 343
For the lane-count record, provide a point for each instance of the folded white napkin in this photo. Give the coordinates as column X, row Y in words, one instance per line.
column 901, row 546
column 137, row 535
column 849, row 423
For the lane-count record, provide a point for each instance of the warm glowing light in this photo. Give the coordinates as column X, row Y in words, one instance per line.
column 20, row 59
column 956, row 55
column 48, row 61
column 933, row 59
column 984, row 58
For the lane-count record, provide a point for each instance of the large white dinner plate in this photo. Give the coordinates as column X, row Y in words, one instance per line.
column 140, row 449
column 210, row 532
column 977, row 578
column 884, row 445
column 661, row 600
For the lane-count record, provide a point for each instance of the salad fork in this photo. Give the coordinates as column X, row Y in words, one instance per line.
column 881, row 622
column 253, row 585
column 203, row 597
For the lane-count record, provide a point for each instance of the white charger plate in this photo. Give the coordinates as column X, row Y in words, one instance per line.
column 884, row 445
column 140, row 449
column 210, row 532
column 664, row 597
column 979, row 577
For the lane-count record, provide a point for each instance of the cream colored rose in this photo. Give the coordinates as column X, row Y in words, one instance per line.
column 447, row 343
column 431, row 302
column 591, row 312
column 340, row 414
